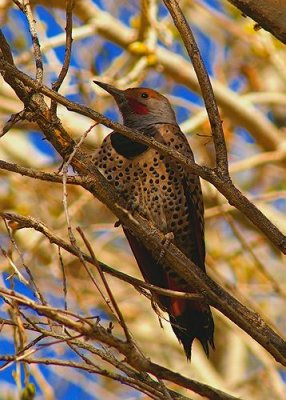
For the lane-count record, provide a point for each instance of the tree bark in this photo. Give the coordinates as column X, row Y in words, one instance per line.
column 269, row 14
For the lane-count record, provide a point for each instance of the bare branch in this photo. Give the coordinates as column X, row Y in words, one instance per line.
column 176, row 67
column 32, row 282
column 234, row 196
column 26, row 8
column 43, row 176
column 249, row 321
column 152, row 239
column 268, row 14
column 205, row 85
column 29, row 222
column 108, row 290
column 134, row 358
column 129, row 68
column 57, row 84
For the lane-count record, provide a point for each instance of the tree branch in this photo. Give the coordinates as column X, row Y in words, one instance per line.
column 226, row 187
column 134, row 358
column 205, row 85
column 269, row 14
column 151, row 237
column 29, row 222
column 57, row 84
column 40, row 175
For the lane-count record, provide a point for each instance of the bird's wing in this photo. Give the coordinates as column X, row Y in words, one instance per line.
column 194, row 198
column 195, row 250
column 151, row 270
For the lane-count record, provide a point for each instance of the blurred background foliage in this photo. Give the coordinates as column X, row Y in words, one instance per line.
column 134, row 43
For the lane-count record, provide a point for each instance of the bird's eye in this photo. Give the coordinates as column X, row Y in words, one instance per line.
column 145, row 95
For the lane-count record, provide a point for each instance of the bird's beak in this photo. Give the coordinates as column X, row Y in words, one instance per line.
column 116, row 93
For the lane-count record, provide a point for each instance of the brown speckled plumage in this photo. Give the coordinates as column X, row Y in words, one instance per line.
column 171, row 199
column 153, row 182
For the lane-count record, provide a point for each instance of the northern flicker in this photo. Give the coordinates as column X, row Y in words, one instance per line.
column 169, row 197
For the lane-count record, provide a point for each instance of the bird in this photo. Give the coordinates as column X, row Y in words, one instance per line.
column 169, row 197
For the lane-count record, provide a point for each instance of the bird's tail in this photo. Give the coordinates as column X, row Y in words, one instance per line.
column 195, row 321
column 190, row 319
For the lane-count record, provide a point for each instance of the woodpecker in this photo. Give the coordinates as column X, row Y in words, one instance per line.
column 164, row 193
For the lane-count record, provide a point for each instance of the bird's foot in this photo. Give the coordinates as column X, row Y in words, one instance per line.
column 117, row 223
column 166, row 243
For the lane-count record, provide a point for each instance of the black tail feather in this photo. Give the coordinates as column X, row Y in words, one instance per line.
column 194, row 323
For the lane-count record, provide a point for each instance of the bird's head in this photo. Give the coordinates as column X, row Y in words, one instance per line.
column 141, row 107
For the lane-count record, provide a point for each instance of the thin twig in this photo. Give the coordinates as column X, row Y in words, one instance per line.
column 32, row 282
column 35, row 40
column 15, row 268
column 40, row 175
column 234, row 196
column 29, row 222
column 57, row 84
column 64, row 278
column 277, row 288
column 205, row 85
column 137, row 360
column 70, row 232
column 248, row 320
column 19, row 337
column 65, row 171
column 165, row 391
column 87, row 360
column 134, row 383
column 43, row 308
column 23, row 353
column 110, row 294
column 26, row 348
column 65, row 195
column 82, row 258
